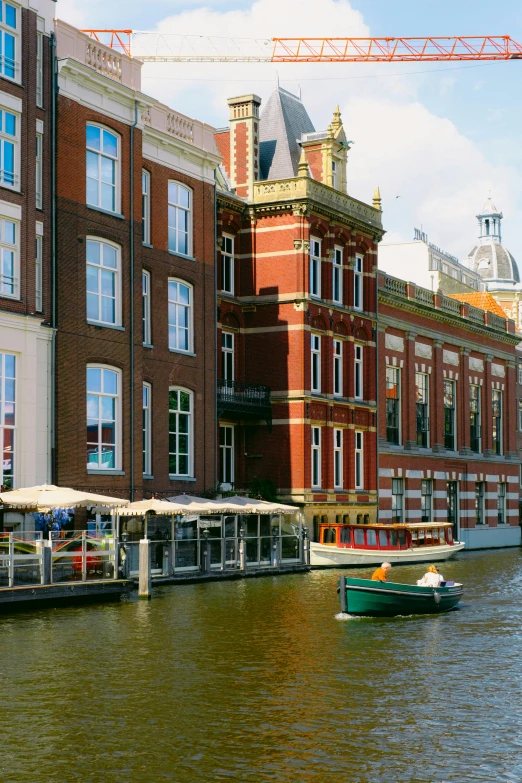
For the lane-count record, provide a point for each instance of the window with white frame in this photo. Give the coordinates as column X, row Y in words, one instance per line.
column 179, row 219
column 103, row 282
column 358, row 372
column 7, row 418
column 145, row 207
column 315, row 267
column 9, row 40
column 520, row 372
column 227, row 356
column 316, row 362
column 520, row 415
column 475, row 406
column 147, row 429
column 397, row 500
column 103, row 418
column 479, row 502
column 358, row 283
column 39, row 69
column 227, row 264
column 38, row 267
column 501, row 504
column 316, row 457
column 39, row 171
column 338, row 459
column 9, row 257
column 426, row 500
column 496, row 399
column 450, row 411
column 338, row 368
column 337, row 275
column 359, row 460
column 146, row 307
column 181, row 457
column 180, row 316
column 334, row 174
column 9, row 148
column 393, row 405
column 103, row 168
column 226, row 454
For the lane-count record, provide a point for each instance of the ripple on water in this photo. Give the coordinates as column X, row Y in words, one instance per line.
column 264, row 680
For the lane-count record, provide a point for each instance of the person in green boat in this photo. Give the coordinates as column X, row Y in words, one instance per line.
column 381, row 574
column 431, row 578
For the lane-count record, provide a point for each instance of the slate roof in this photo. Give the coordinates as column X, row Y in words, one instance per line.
column 283, row 121
column 482, row 300
column 493, row 262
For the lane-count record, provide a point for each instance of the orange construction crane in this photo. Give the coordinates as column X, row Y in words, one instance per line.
column 316, row 50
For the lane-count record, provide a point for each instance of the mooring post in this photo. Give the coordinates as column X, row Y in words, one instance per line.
column 242, row 553
column 84, row 557
column 342, row 595
column 145, row 581
column 11, row 569
column 45, row 555
column 306, row 546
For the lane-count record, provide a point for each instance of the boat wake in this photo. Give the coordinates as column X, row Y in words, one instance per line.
column 343, row 616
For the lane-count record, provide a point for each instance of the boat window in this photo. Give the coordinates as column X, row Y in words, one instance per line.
column 371, row 538
column 393, row 538
column 358, row 537
column 329, row 535
column 435, row 535
column 420, row 536
column 442, row 535
column 402, row 538
column 383, row 538
column 345, row 535
column 413, row 534
column 450, row 535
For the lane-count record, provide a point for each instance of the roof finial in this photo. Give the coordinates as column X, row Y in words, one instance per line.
column 377, row 201
column 302, row 169
column 336, row 122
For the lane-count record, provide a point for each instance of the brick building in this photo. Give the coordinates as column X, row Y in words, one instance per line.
column 297, row 387
column 448, row 410
column 135, row 368
column 26, row 333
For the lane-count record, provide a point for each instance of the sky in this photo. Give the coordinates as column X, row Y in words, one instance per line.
column 437, row 138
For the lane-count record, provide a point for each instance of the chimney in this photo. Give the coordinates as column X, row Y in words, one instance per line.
column 244, row 143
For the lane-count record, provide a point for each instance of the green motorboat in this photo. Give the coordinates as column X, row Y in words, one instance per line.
column 389, row 599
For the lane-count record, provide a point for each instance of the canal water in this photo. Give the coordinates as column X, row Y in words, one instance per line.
column 256, row 680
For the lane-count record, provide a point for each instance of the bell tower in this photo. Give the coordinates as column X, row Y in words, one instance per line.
column 490, row 223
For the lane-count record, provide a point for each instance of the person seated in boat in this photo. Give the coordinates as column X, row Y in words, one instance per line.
column 431, row 578
column 381, row 574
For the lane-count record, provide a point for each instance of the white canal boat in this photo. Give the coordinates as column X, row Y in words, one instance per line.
column 365, row 545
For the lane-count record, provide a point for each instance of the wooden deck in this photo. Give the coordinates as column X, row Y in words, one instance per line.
column 63, row 592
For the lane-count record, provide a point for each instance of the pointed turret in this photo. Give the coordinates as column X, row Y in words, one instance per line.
column 336, row 122
column 377, row 201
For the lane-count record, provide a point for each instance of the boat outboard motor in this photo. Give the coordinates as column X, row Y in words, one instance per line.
column 436, row 597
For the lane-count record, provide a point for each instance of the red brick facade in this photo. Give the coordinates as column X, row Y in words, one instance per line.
column 444, row 450
column 273, row 316
column 80, row 343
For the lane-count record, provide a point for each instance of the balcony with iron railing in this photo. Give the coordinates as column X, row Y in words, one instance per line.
column 244, row 400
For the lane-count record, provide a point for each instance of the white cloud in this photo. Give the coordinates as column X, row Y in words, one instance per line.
column 441, row 176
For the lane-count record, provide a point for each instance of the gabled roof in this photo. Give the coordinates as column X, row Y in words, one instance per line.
column 283, row 121
column 481, row 299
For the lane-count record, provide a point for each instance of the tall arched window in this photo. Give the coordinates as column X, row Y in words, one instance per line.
column 180, row 316
column 103, row 168
column 103, row 417
column 181, row 426
column 103, row 282
column 180, row 219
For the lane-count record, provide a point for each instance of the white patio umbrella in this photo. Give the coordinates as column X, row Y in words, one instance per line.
column 47, row 496
column 195, row 505
column 155, row 505
column 241, row 505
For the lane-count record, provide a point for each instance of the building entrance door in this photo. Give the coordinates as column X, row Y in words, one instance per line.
column 453, row 507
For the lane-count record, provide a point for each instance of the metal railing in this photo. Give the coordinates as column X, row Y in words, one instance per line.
column 243, row 398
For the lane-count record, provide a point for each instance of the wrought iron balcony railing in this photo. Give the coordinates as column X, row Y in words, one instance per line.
column 244, row 399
